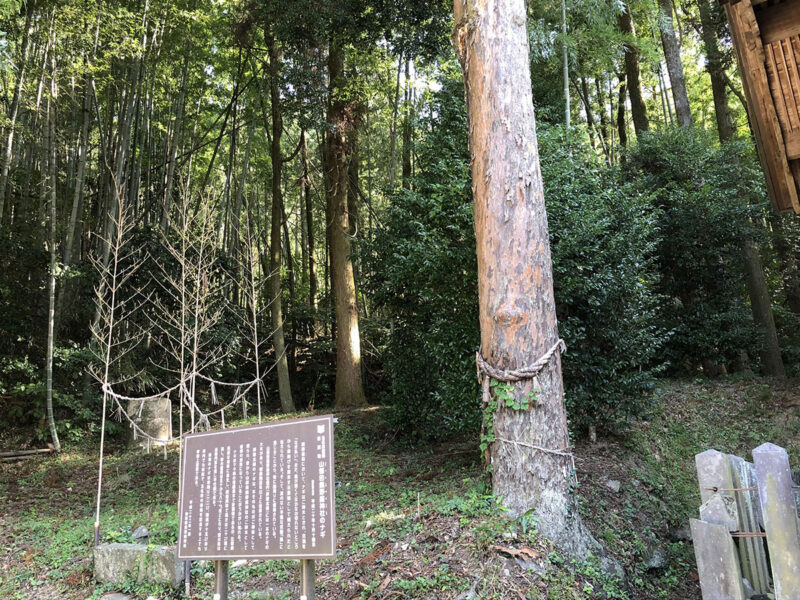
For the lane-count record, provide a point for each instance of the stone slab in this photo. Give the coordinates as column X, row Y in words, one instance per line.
column 154, row 417
column 717, row 562
column 780, row 518
column 118, row 563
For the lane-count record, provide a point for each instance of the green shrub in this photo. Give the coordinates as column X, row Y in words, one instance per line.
column 603, row 234
column 706, row 197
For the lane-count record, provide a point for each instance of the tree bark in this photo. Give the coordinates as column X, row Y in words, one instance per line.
column 341, row 122
column 638, row 108
column 515, row 284
column 716, row 71
column 761, row 305
column 276, row 312
column 672, row 56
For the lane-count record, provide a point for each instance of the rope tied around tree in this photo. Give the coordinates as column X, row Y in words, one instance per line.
column 486, row 372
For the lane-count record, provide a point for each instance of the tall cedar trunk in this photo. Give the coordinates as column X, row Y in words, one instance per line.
column 716, row 70
column 312, row 263
column 672, row 56
column 341, row 114
column 13, row 109
column 760, row 300
column 515, row 283
column 406, row 173
column 354, row 197
column 276, row 312
column 52, row 170
column 622, row 128
column 761, row 305
column 638, row 108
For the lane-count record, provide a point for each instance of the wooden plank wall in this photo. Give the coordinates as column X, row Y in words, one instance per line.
column 766, row 35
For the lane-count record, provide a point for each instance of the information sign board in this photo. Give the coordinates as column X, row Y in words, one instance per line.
column 263, row 491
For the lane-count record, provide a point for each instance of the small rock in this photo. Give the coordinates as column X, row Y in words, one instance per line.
column 506, row 572
column 141, row 533
column 115, row 596
column 208, row 575
column 613, row 485
column 656, row 558
column 635, row 483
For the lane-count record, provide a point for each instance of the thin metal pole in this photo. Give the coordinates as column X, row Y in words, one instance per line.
column 307, row 580
column 221, row 581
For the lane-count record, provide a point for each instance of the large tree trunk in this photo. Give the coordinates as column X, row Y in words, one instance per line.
column 638, row 108
column 761, row 305
column 341, row 115
column 716, row 70
column 515, row 284
column 278, row 341
column 672, row 56
column 760, row 300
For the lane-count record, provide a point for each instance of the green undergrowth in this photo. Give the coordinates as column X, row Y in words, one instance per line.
column 414, row 524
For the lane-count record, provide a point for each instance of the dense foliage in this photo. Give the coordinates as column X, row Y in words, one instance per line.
column 603, row 237
column 706, row 198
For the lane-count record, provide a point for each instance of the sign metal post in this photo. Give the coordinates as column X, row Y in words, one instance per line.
column 307, row 579
column 221, row 580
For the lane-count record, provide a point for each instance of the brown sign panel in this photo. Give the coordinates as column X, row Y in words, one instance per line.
column 264, row 491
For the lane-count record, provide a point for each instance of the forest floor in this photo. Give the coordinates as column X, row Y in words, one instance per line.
column 415, row 524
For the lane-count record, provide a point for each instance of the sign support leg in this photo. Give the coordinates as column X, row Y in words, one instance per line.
column 187, row 578
column 307, row 580
column 221, row 580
